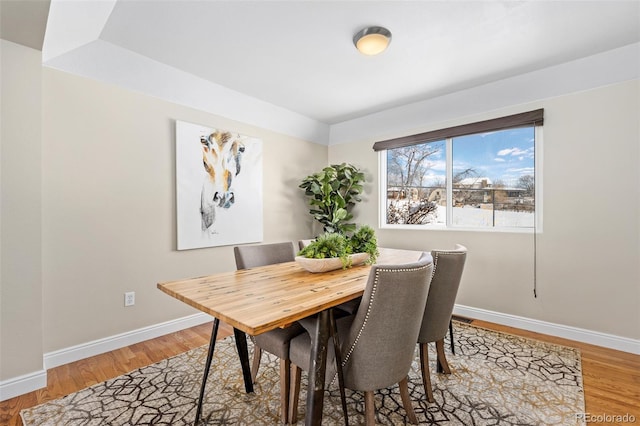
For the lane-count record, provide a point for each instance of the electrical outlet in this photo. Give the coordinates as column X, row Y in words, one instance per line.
column 130, row 298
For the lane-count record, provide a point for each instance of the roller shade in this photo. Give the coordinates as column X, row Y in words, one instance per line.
column 530, row 118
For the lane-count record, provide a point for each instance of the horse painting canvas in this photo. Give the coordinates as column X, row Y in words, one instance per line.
column 218, row 187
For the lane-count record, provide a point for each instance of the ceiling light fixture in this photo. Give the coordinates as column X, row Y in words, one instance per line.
column 372, row 40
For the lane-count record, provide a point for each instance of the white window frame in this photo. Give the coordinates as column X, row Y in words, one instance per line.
column 382, row 195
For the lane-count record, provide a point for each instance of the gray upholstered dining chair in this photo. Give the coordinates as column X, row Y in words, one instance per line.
column 448, row 267
column 303, row 243
column 377, row 344
column 274, row 341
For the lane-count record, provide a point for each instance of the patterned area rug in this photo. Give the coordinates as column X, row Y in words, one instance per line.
column 497, row 379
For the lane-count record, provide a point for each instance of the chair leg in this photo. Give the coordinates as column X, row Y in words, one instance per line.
column 294, row 393
column 406, row 401
column 426, row 375
column 442, row 359
column 284, row 390
column 369, row 409
column 255, row 365
column 453, row 348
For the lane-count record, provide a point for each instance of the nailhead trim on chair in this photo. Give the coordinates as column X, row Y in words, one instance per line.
column 435, row 258
column 373, row 293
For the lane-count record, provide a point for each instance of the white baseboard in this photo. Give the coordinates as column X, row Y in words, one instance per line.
column 611, row 341
column 30, row 382
column 22, row 384
column 33, row 381
column 96, row 347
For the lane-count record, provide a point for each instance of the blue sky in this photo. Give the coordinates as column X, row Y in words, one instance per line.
column 501, row 156
column 505, row 155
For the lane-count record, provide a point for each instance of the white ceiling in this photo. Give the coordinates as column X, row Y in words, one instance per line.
column 299, row 55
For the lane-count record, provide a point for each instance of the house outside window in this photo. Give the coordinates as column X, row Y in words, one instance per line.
column 484, row 180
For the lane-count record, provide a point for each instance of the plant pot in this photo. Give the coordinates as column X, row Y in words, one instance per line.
column 330, row 263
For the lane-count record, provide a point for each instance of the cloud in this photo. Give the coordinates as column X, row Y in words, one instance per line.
column 433, row 179
column 516, row 152
column 522, row 170
column 501, row 160
column 438, row 165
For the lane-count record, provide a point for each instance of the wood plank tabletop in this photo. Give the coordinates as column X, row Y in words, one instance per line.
column 260, row 299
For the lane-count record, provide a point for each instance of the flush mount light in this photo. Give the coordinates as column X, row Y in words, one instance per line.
column 372, row 40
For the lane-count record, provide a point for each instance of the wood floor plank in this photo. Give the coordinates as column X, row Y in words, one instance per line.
column 611, row 378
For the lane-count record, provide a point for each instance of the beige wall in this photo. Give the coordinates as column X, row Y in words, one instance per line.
column 87, row 175
column 20, row 211
column 588, row 274
column 109, row 206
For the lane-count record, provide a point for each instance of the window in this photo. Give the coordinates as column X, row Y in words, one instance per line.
column 465, row 179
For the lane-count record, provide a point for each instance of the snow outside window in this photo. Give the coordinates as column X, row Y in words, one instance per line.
column 479, row 181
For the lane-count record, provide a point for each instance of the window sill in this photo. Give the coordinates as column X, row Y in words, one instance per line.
column 460, row 229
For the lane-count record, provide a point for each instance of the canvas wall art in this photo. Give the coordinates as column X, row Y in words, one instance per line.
column 218, row 187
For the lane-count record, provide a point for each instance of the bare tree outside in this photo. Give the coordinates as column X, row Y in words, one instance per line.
column 499, row 183
column 528, row 183
column 463, row 181
column 468, row 173
column 407, row 168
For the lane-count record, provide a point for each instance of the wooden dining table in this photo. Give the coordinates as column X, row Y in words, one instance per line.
column 264, row 298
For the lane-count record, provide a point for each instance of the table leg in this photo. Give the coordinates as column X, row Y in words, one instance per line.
column 337, row 349
column 453, row 348
column 212, row 345
column 317, row 368
column 243, row 353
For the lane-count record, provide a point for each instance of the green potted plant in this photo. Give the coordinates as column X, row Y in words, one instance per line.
column 327, row 246
column 364, row 241
column 332, row 194
column 333, row 250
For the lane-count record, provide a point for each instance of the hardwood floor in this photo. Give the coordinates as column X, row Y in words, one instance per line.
column 611, row 378
column 78, row 375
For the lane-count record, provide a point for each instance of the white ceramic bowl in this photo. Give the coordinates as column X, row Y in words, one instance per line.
column 329, row 264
